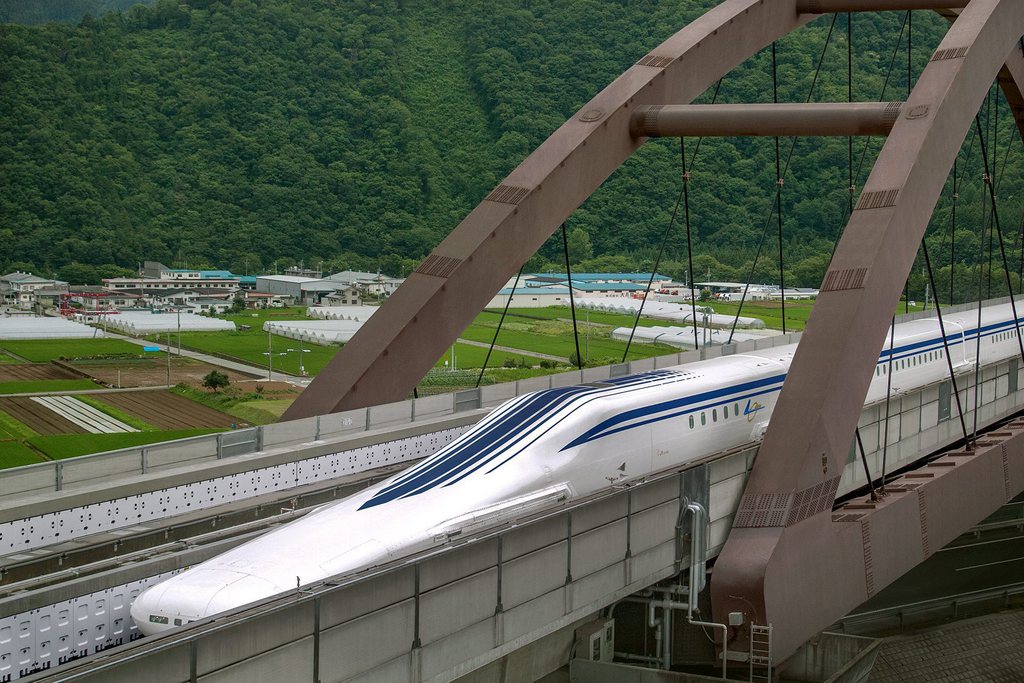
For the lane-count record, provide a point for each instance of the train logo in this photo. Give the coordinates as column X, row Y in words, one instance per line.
column 751, row 409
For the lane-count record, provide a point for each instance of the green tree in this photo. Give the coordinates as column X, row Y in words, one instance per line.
column 215, row 380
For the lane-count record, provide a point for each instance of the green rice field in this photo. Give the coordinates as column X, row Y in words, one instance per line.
column 46, row 350
column 71, row 445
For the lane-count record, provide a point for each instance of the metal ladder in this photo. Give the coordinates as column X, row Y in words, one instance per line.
column 760, row 653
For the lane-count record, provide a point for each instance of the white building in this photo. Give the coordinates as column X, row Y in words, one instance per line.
column 370, row 283
column 18, row 289
column 300, row 289
column 531, row 297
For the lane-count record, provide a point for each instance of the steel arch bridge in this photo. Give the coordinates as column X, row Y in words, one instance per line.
column 786, row 561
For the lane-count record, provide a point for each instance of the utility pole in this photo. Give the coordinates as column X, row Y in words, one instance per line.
column 168, row 358
column 588, row 335
column 270, row 356
column 178, row 310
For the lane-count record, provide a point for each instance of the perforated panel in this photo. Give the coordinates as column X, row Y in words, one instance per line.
column 44, row 530
column 657, row 61
column 56, row 634
column 762, row 510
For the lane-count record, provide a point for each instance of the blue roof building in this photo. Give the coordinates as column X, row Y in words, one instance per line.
column 601, row 277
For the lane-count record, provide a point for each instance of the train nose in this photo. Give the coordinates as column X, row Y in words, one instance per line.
column 146, row 613
column 196, row 594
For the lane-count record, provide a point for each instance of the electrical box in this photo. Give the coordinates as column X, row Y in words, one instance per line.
column 595, row 640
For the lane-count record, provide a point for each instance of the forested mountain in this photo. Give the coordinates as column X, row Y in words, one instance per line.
column 244, row 133
column 41, row 11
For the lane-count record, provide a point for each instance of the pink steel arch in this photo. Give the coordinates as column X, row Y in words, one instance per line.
column 772, row 562
column 787, row 561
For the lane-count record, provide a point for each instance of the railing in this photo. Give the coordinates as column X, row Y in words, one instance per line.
column 42, row 478
column 131, row 462
column 956, row 606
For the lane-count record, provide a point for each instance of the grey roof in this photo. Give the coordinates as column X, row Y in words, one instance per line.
column 25, row 277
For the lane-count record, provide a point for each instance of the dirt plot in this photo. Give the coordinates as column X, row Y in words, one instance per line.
column 38, row 417
column 33, row 371
column 152, row 373
column 166, row 410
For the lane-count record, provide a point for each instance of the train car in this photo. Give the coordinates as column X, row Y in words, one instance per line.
column 542, row 449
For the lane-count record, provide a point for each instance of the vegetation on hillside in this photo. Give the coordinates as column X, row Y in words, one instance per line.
column 253, row 133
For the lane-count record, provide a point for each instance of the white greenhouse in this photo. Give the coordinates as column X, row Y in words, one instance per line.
column 322, row 332
column 137, row 324
column 360, row 313
column 666, row 311
column 681, row 337
column 31, row 327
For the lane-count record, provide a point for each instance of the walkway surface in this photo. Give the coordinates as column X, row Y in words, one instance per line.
column 988, row 648
column 218, row 361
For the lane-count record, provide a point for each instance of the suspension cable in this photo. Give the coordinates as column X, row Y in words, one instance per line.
column 1002, row 247
column 885, row 86
column 958, row 181
column 778, row 187
column 1020, row 246
column 888, row 397
column 980, row 294
column 910, row 87
column 661, row 250
column 864, row 461
column 689, row 238
column 684, row 193
column 501, row 320
column 572, row 300
column 945, row 344
column 849, row 98
column 785, row 171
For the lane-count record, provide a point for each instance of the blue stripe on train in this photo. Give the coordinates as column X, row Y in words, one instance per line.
column 498, row 436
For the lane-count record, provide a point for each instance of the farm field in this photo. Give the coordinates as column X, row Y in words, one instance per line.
column 61, row 446
column 468, row 356
column 251, row 346
column 16, row 454
column 27, row 372
column 47, row 385
column 247, row 402
column 149, row 372
column 264, row 411
column 31, row 433
column 45, row 350
column 166, row 410
column 38, row 418
column 554, row 336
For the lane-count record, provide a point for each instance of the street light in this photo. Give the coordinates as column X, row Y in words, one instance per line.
column 269, row 353
column 302, row 366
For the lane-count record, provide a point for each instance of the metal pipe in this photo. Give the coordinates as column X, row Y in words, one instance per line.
column 783, row 120
column 725, row 641
column 830, row 6
column 666, row 624
column 698, row 551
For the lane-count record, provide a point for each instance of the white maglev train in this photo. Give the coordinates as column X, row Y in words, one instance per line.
column 541, row 449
